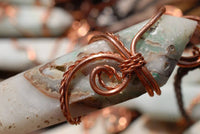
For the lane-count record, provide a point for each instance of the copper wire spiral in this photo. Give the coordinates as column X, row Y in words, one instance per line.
column 130, row 61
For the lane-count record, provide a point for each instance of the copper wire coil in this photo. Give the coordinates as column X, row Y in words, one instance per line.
column 124, row 55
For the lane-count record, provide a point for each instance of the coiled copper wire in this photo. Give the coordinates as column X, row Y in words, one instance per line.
column 130, row 61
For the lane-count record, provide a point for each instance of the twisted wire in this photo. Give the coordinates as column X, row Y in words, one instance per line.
column 130, row 62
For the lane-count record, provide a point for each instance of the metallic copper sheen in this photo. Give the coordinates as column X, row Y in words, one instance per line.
column 129, row 61
column 117, row 118
column 191, row 61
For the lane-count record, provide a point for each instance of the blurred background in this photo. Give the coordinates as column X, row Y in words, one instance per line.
column 33, row 32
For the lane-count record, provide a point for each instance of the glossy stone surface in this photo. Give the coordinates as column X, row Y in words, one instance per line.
column 31, row 99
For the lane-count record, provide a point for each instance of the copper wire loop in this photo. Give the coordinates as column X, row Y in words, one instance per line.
column 185, row 64
column 191, row 61
column 130, row 62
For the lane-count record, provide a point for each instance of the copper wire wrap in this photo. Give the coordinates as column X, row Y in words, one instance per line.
column 130, row 62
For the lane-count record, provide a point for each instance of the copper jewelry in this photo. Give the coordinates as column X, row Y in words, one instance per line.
column 185, row 64
column 130, row 61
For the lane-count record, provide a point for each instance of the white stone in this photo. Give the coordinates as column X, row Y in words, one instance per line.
column 16, row 59
column 29, row 2
column 19, row 99
column 29, row 19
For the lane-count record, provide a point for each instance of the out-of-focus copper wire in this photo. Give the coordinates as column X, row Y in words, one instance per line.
column 55, row 48
column 185, row 65
column 11, row 12
column 78, row 29
column 29, row 50
column 129, row 62
column 117, row 119
column 78, row 33
column 191, row 61
column 90, row 120
column 195, row 101
column 174, row 11
column 45, row 18
column 39, row 2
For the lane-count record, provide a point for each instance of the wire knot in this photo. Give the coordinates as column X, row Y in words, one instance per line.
column 129, row 61
column 131, row 64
